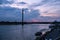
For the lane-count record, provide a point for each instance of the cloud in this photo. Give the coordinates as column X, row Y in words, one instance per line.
column 23, row 3
column 44, row 2
column 0, row 1
column 10, row 14
column 18, row 3
column 14, row 14
column 6, row 2
column 30, row 2
column 50, row 8
column 40, row 10
column 30, row 15
column 50, row 11
column 14, row 4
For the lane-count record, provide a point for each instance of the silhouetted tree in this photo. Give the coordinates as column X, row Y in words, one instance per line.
column 38, row 34
column 55, row 25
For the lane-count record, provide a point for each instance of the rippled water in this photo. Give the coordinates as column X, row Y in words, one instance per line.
column 15, row 32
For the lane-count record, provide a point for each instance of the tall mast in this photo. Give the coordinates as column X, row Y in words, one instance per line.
column 23, row 24
column 22, row 16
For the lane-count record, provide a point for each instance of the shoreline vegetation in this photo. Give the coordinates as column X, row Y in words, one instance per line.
column 54, row 29
column 22, row 23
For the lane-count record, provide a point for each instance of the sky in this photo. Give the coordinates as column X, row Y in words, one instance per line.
column 34, row 10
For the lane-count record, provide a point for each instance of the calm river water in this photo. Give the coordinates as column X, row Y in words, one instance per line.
column 15, row 32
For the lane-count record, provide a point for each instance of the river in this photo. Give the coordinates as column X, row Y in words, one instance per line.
column 16, row 32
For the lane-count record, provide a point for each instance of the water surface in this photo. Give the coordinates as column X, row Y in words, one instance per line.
column 15, row 32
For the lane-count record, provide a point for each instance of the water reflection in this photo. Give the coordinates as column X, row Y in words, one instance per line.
column 11, row 32
column 14, row 32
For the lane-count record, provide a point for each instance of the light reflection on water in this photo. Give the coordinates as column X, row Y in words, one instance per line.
column 14, row 32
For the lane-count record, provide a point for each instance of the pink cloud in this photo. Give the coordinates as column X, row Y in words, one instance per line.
column 35, row 20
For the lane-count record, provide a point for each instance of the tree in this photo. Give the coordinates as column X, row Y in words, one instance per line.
column 38, row 34
column 54, row 25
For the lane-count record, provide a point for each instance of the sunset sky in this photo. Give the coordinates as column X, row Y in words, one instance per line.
column 34, row 10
